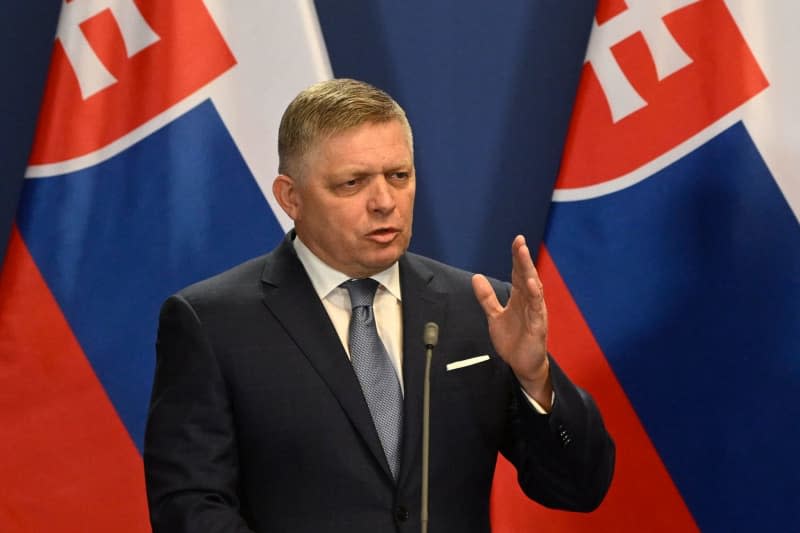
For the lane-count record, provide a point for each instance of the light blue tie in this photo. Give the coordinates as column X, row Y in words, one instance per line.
column 374, row 370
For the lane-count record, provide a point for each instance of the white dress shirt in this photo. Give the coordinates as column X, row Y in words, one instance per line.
column 387, row 307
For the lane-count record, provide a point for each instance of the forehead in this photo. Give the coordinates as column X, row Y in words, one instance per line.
column 368, row 144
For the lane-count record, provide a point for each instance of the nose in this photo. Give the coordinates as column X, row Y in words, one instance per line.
column 381, row 198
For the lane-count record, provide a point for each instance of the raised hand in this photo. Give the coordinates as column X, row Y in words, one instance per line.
column 519, row 330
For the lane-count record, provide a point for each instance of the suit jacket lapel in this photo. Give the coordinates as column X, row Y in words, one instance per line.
column 291, row 298
column 422, row 303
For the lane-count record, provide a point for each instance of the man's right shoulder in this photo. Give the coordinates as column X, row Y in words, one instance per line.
column 235, row 284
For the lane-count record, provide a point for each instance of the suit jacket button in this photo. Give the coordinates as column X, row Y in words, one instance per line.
column 401, row 514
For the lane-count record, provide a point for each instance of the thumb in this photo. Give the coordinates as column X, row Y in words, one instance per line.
column 485, row 295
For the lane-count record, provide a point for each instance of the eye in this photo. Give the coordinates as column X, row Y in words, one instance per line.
column 399, row 176
column 350, row 185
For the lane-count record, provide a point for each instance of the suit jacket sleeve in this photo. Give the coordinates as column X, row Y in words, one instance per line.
column 190, row 450
column 564, row 459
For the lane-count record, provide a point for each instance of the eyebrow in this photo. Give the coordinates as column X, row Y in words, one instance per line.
column 362, row 172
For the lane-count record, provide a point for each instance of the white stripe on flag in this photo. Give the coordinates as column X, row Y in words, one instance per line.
column 279, row 50
column 773, row 117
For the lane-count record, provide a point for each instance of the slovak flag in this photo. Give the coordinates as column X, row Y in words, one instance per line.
column 154, row 148
column 672, row 264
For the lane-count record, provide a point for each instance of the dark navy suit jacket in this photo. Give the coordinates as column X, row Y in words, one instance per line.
column 257, row 421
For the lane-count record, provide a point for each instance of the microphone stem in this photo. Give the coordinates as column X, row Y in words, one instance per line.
column 426, row 438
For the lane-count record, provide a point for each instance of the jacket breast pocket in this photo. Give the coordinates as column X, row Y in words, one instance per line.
column 472, row 375
column 472, row 402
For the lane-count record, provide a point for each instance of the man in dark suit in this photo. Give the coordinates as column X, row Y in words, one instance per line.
column 268, row 413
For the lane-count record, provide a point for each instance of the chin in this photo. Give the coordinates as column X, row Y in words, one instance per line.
column 383, row 261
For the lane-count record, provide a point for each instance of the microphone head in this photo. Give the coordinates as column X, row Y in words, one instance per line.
column 431, row 334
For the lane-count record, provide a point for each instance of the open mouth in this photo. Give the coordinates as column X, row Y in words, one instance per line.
column 383, row 235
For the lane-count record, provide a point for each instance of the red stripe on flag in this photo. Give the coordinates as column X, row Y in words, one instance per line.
column 642, row 496
column 66, row 461
column 721, row 76
column 190, row 52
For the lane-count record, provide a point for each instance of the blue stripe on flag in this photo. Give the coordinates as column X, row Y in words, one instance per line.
column 113, row 241
column 690, row 281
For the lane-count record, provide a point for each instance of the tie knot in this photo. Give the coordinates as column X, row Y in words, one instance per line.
column 362, row 291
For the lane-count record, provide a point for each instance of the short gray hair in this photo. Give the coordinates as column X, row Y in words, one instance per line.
column 327, row 108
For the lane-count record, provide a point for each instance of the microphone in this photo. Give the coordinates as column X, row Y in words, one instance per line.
column 430, row 337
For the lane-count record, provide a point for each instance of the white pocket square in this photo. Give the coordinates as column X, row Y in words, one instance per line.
column 455, row 365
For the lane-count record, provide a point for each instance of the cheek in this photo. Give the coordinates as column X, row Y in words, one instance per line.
column 342, row 226
column 408, row 200
column 408, row 209
column 352, row 219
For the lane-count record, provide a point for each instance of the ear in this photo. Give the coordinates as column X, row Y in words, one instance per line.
column 284, row 189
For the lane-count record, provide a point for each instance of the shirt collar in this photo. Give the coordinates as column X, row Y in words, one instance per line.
column 326, row 279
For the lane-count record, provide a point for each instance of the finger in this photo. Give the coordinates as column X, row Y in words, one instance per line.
column 518, row 241
column 486, row 296
column 538, row 306
column 533, row 277
column 535, row 292
column 522, row 266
